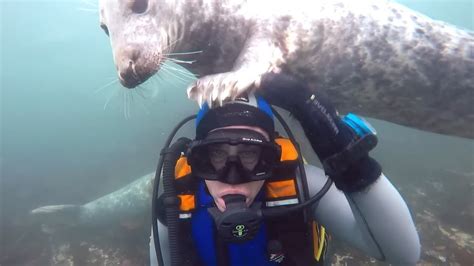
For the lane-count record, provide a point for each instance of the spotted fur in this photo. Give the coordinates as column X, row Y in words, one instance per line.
column 373, row 57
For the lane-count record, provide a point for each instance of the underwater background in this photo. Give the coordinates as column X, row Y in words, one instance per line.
column 70, row 134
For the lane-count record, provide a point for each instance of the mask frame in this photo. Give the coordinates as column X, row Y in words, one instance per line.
column 202, row 167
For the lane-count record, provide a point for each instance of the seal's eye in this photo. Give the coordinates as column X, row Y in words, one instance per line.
column 139, row 6
column 106, row 30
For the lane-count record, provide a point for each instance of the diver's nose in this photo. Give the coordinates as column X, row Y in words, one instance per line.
column 126, row 61
column 233, row 176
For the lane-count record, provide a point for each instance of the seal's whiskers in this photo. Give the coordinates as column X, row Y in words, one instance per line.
column 183, row 53
column 127, row 96
column 174, row 75
column 110, row 97
column 185, row 73
column 89, row 6
column 182, row 76
column 88, row 10
column 170, row 45
column 130, row 100
column 181, row 61
column 139, row 92
column 90, row 3
column 126, row 104
column 106, row 85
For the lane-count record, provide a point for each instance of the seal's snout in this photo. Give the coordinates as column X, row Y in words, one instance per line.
column 128, row 79
column 127, row 61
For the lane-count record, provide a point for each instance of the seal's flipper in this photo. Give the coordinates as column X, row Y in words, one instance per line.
column 54, row 217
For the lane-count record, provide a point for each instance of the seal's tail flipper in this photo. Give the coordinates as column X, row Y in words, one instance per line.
column 55, row 217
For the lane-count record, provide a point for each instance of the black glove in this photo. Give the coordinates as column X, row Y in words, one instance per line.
column 342, row 151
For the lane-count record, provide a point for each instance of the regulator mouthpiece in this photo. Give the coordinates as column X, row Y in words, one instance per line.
column 237, row 223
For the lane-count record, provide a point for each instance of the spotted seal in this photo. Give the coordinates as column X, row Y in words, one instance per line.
column 118, row 207
column 374, row 57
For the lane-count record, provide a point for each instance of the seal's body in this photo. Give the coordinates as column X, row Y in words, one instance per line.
column 129, row 202
column 373, row 57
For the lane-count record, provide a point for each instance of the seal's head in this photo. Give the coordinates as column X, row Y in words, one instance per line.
column 138, row 36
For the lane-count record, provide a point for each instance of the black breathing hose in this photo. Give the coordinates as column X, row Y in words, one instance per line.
column 166, row 156
column 170, row 200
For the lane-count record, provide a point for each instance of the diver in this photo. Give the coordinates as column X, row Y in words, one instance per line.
column 240, row 194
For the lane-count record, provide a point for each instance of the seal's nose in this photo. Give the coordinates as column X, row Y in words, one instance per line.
column 126, row 60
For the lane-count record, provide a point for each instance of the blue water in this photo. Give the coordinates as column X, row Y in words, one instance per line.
column 456, row 12
column 59, row 145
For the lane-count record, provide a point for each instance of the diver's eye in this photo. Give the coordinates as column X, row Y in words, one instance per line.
column 217, row 154
column 139, row 6
column 106, row 30
column 249, row 156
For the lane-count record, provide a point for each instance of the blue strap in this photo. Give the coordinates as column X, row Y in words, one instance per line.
column 264, row 106
column 204, row 109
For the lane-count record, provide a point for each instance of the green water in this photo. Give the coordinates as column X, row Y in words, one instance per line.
column 59, row 144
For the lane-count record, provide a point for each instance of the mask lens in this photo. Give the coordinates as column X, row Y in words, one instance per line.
column 213, row 160
column 247, row 154
column 218, row 154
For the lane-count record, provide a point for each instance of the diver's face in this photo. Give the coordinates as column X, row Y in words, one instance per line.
column 249, row 156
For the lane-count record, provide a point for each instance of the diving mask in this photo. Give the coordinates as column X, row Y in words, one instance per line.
column 233, row 156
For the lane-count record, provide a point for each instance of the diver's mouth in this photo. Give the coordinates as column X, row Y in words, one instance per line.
column 220, row 203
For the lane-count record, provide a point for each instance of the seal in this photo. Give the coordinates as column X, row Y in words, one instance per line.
column 108, row 230
column 374, row 57
column 118, row 207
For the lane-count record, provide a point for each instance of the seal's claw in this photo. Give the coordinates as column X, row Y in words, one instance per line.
column 216, row 89
column 199, row 100
column 221, row 102
column 234, row 94
column 214, row 95
column 225, row 94
column 191, row 91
